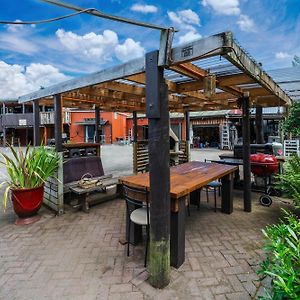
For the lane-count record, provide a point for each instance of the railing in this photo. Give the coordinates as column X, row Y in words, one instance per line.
column 48, row 117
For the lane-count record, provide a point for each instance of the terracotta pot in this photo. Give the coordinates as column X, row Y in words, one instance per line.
column 27, row 202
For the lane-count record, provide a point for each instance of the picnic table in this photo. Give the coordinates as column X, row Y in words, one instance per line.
column 185, row 179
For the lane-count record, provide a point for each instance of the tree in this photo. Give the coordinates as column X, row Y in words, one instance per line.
column 292, row 122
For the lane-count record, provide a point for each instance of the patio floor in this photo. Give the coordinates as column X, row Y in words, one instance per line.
column 78, row 255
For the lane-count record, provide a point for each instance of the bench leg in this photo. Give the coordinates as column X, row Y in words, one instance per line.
column 85, row 204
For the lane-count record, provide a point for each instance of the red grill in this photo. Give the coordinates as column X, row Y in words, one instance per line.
column 263, row 164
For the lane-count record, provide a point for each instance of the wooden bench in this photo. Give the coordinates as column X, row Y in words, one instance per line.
column 75, row 168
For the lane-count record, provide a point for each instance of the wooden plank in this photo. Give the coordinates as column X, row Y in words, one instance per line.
column 185, row 178
column 246, row 154
column 237, row 56
column 202, row 48
column 159, row 147
column 58, row 123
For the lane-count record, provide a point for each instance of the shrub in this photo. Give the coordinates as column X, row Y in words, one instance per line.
column 283, row 258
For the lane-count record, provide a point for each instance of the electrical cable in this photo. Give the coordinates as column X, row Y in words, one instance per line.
column 47, row 20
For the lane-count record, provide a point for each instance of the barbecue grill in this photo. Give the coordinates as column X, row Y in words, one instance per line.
column 265, row 165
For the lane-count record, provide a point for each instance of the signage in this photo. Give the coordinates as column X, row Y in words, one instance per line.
column 22, row 122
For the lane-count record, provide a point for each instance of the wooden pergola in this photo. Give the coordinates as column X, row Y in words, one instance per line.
column 208, row 74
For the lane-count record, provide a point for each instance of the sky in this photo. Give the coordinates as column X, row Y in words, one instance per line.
column 37, row 56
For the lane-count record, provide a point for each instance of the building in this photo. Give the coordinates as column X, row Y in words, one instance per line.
column 82, row 126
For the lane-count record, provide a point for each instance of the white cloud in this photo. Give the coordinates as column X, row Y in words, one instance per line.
column 145, row 9
column 283, row 55
column 184, row 19
column 90, row 45
column 245, row 23
column 189, row 36
column 129, row 50
column 18, row 27
column 101, row 47
column 17, row 80
column 223, row 7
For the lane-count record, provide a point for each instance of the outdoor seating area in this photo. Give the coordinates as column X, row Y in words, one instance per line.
column 170, row 172
column 84, row 259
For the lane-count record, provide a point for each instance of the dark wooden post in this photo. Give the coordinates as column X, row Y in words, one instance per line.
column 4, row 136
column 159, row 157
column 259, row 125
column 97, row 124
column 187, row 133
column 36, row 123
column 58, row 123
column 246, row 154
column 134, row 145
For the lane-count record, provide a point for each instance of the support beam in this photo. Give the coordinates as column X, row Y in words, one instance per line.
column 159, row 157
column 58, row 123
column 135, row 136
column 259, row 125
column 187, row 133
column 4, row 137
column 97, row 124
column 246, row 153
column 36, row 123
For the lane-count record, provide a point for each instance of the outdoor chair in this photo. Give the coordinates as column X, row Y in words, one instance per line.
column 213, row 185
column 137, row 207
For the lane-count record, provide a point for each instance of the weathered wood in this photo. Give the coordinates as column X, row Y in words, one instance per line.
column 239, row 58
column 58, row 123
column 185, row 178
column 97, row 124
column 36, row 126
column 159, row 147
column 187, row 133
column 259, row 125
column 178, row 235
column 246, row 154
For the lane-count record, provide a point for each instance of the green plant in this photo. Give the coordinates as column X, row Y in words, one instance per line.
column 28, row 168
column 283, row 260
column 289, row 181
column 292, row 122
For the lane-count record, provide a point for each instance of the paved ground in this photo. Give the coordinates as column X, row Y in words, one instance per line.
column 78, row 255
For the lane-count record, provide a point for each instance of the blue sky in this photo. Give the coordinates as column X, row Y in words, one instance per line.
column 34, row 56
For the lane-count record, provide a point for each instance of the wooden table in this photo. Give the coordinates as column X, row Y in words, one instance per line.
column 184, row 179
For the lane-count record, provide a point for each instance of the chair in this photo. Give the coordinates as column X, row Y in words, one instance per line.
column 214, row 185
column 137, row 205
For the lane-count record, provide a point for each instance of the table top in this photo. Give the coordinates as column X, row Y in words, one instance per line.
column 81, row 145
column 184, row 178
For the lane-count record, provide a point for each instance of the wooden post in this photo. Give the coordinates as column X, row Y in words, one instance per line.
column 36, row 122
column 187, row 134
column 23, row 108
column 159, row 157
column 58, row 123
column 246, row 154
column 97, row 124
column 259, row 125
column 134, row 145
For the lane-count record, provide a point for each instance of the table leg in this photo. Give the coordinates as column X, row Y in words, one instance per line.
column 178, row 235
column 227, row 194
column 84, row 203
column 136, row 234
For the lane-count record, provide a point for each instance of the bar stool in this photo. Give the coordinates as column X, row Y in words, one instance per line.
column 213, row 185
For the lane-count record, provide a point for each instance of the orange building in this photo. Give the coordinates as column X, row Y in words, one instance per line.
column 82, row 127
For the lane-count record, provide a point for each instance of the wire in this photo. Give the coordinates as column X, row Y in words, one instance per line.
column 47, row 20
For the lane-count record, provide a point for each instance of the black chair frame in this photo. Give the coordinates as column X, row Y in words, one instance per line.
column 132, row 203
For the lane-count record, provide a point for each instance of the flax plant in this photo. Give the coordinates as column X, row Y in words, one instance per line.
column 28, row 169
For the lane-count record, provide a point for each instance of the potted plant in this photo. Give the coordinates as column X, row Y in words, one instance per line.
column 27, row 172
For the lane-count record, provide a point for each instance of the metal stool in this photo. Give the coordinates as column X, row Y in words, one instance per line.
column 214, row 185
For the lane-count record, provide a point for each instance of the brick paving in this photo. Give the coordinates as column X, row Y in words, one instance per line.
column 78, row 255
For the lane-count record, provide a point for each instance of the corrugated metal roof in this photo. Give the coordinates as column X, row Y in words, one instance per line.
column 289, row 80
